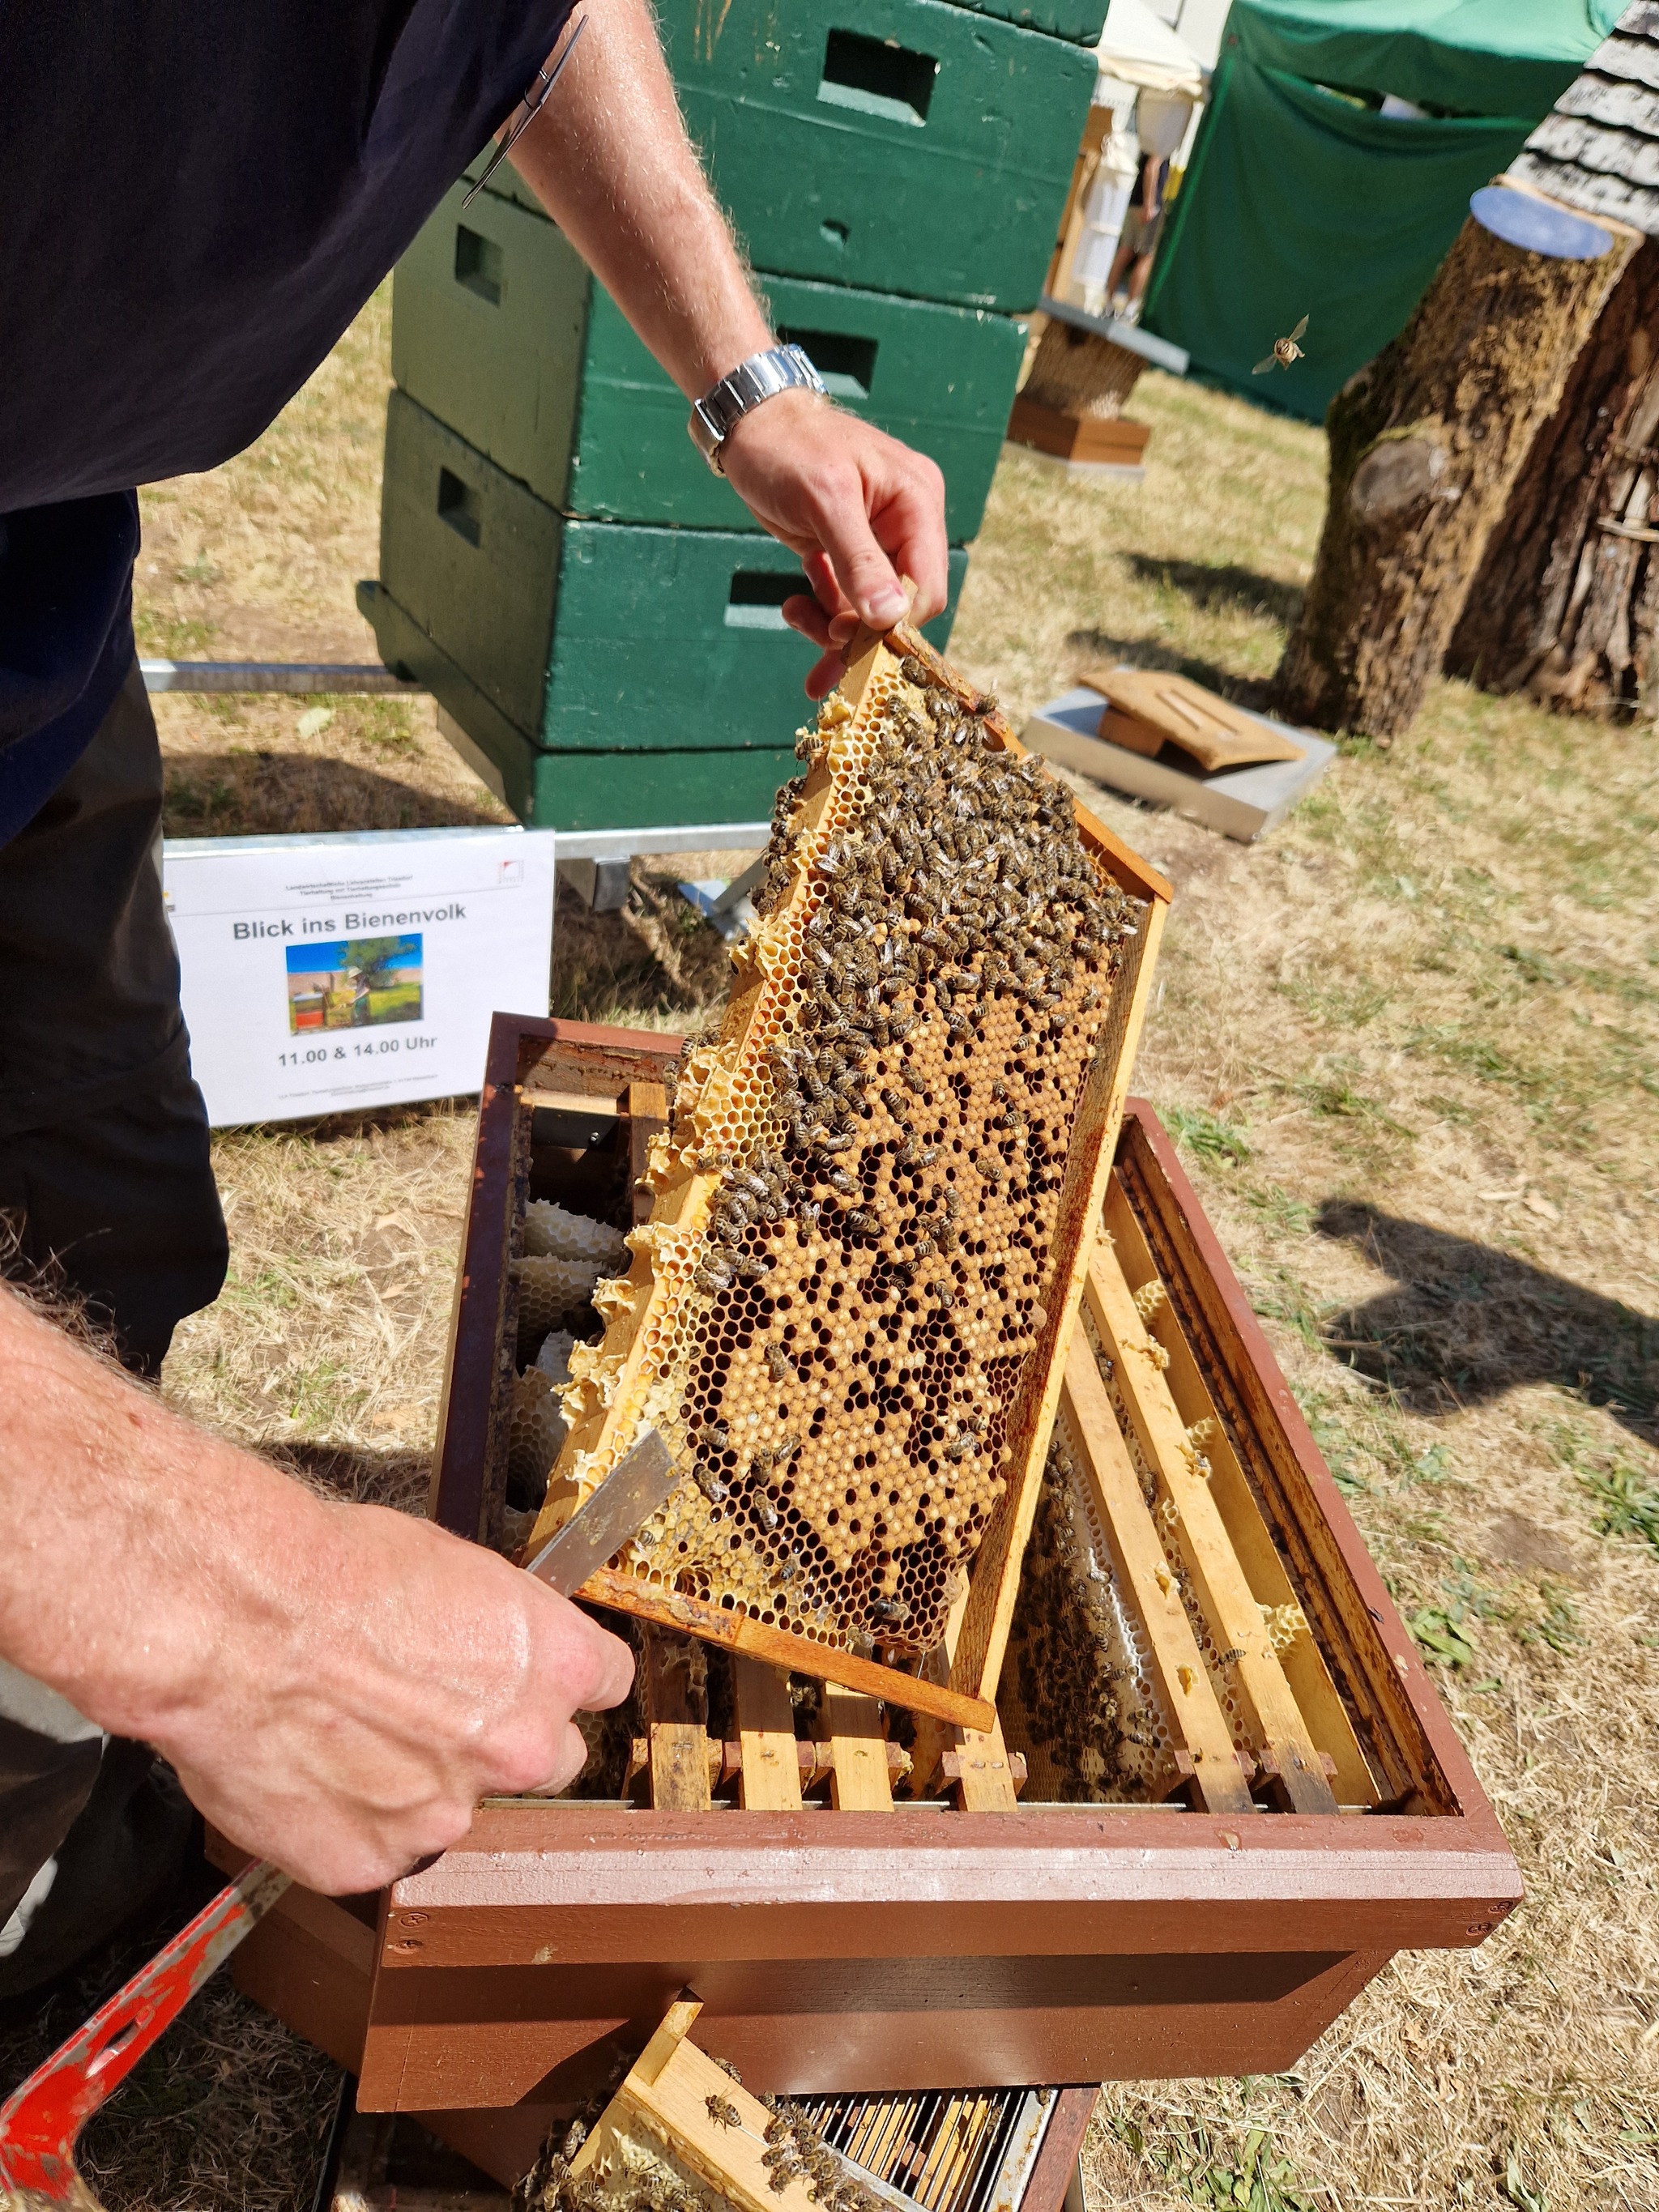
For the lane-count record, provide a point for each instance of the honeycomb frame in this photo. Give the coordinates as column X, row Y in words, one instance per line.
column 632, row 1378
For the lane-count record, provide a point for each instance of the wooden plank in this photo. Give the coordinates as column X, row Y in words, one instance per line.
column 1409, row 1742
column 676, row 1716
column 858, row 1781
column 976, row 1665
column 647, row 1114
column 1315, row 1693
column 769, row 1775
column 1062, row 2144
column 1234, row 1617
column 736, row 1631
column 984, row 1779
column 1103, row 1460
column 679, row 2106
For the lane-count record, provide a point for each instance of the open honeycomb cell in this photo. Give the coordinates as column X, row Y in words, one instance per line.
column 845, row 1267
column 551, row 1292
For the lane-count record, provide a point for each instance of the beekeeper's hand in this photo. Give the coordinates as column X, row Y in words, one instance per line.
column 337, row 1685
column 860, row 509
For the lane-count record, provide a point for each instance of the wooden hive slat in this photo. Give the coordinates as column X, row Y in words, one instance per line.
column 1102, row 1458
column 678, row 1739
column 1310, row 1677
column 769, row 1778
column 1235, row 1618
column 858, row 1779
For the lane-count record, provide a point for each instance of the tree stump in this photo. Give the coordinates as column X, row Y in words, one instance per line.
column 1079, row 373
column 1425, row 444
column 1565, row 604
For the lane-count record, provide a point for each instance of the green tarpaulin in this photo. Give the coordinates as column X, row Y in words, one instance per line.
column 1302, row 199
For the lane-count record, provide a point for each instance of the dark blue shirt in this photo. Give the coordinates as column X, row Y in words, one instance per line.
column 197, row 200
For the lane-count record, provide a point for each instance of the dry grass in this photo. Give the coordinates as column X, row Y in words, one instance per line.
column 1412, row 1047
column 1412, row 1043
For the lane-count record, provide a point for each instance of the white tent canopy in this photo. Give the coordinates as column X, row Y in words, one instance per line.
column 1137, row 48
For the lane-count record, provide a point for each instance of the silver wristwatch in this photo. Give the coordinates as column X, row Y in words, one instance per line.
column 763, row 376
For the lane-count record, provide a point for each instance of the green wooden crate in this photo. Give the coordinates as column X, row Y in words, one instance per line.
column 908, row 146
column 591, row 636
column 580, row 790
column 901, row 145
column 499, row 330
column 1082, row 21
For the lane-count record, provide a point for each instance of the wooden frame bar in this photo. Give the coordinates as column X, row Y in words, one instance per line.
column 1235, row 1618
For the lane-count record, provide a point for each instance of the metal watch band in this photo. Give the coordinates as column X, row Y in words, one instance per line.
column 761, row 377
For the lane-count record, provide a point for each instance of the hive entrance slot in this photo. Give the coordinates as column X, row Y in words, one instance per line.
column 756, row 596
column 478, row 264
column 878, row 77
column 846, row 364
column 458, row 506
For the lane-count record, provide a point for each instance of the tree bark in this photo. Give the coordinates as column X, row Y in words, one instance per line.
column 1425, row 444
column 1565, row 604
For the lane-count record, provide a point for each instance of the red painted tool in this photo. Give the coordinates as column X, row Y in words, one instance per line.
column 39, row 2121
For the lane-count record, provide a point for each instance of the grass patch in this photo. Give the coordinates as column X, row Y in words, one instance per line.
column 1627, row 1501
column 1205, row 1135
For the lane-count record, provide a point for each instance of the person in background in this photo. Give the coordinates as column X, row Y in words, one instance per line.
column 198, row 202
column 1138, row 241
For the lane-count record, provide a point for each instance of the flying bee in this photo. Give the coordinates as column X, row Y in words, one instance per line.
column 1285, row 353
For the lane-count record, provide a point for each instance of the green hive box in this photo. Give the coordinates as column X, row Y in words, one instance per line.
column 499, row 330
column 904, row 146
column 901, row 145
column 615, row 675
column 1081, row 19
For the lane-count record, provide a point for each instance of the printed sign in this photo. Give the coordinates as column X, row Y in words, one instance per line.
column 321, row 974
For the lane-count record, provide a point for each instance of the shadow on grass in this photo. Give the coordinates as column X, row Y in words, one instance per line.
column 1223, row 590
column 260, row 793
column 1099, row 648
column 653, row 960
column 1466, row 1323
column 396, row 1477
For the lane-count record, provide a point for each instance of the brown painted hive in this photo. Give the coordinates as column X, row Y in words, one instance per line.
column 851, row 1249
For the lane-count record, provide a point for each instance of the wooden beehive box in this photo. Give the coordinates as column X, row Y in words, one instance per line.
column 862, row 1902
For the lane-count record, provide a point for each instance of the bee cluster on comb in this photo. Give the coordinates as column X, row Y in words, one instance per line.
column 844, row 1273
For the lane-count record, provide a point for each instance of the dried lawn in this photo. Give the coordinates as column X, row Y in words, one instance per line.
column 1411, row 1048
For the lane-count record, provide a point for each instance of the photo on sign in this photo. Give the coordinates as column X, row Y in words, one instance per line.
column 354, row 983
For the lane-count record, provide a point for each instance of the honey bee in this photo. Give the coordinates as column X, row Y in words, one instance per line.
column 722, row 2112
column 1287, row 352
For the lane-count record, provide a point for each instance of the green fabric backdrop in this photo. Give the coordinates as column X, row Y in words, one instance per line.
column 1298, row 201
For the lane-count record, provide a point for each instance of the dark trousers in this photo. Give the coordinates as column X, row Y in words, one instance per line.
column 108, row 1196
